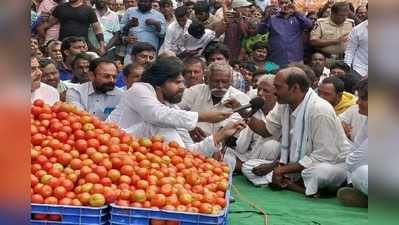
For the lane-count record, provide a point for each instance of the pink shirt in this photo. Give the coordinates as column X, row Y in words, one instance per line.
column 47, row 6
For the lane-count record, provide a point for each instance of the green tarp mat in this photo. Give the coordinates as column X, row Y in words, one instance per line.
column 289, row 208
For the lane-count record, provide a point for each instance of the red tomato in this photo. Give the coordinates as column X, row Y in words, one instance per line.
column 81, row 145
column 59, row 192
column 36, row 198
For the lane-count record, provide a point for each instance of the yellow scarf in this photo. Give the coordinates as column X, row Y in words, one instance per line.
column 347, row 100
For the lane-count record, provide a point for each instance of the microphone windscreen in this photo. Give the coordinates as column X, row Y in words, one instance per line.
column 257, row 102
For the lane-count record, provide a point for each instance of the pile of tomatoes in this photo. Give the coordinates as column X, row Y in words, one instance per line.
column 76, row 159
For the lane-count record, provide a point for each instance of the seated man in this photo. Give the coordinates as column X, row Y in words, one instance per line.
column 211, row 96
column 313, row 146
column 252, row 150
column 332, row 90
column 98, row 96
column 352, row 122
column 38, row 89
column 149, row 108
column 357, row 161
column 142, row 53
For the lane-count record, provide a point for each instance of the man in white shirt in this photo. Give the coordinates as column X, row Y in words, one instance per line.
column 98, row 96
column 38, row 89
column 174, row 37
column 109, row 22
column 149, row 108
column 252, row 150
column 313, row 143
column 211, row 97
column 356, row 53
column 357, row 160
column 353, row 122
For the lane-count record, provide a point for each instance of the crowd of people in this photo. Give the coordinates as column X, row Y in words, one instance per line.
column 180, row 68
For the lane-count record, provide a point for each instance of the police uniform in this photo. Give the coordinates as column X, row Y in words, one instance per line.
column 326, row 29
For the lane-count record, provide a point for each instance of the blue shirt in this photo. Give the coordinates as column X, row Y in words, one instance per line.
column 285, row 37
column 65, row 74
column 120, row 82
column 143, row 32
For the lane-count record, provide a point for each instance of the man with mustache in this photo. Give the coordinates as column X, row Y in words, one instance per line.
column 212, row 96
column 149, row 108
column 98, row 96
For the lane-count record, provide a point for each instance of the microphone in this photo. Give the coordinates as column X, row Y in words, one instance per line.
column 255, row 103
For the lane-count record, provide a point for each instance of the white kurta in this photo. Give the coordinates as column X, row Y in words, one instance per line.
column 352, row 117
column 198, row 99
column 254, row 150
column 325, row 155
column 141, row 114
column 46, row 93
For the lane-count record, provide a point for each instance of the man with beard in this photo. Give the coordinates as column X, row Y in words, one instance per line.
column 212, row 96
column 149, row 108
column 313, row 142
column 144, row 24
column 318, row 65
column 98, row 96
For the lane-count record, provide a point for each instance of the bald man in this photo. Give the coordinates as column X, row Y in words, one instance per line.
column 313, row 142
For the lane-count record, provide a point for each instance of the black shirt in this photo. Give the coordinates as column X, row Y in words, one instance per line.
column 74, row 21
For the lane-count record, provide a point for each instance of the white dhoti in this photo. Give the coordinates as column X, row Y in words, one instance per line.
column 323, row 175
column 265, row 153
column 360, row 179
column 247, row 167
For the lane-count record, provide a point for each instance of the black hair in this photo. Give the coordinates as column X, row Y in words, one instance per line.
column 80, row 56
column 140, row 47
column 96, row 62
column 362, row 89
column 340, row 65
column 126, row 70
column 314, row 53
column 196, row 28
column 180, row 11
column 338, row 84
column 350, row 82
column 249, row 65
column 340, row 7
column 201, row 7
column 214, row 48
column 45, row 62
column 260, row 45
column 163, row 3
column 68, row 41
column 188, row 3
column 162, row 70
column 194, row 60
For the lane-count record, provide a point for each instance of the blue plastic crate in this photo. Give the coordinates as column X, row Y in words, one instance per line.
column 139, row 216
column 78, row 215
